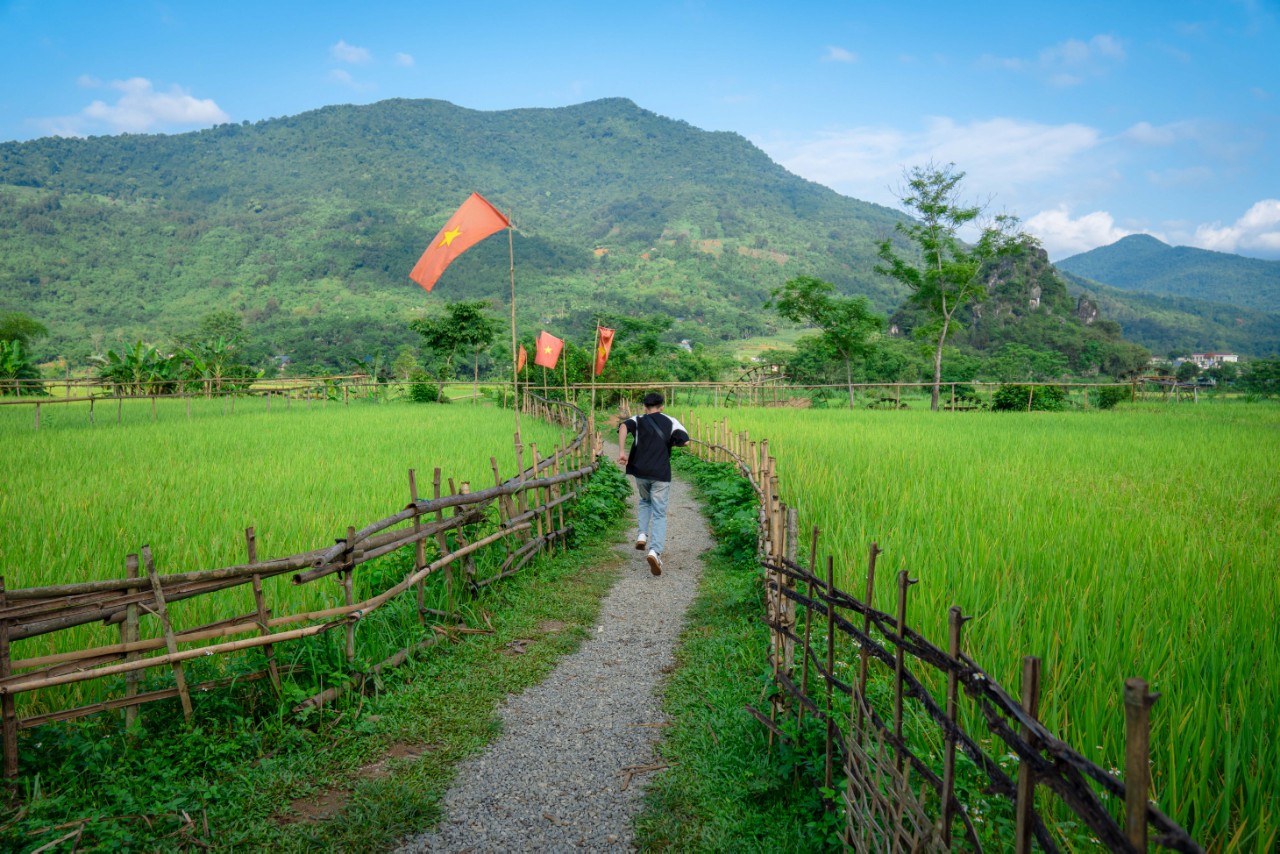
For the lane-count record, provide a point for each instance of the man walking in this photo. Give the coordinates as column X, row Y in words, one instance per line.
column 649, row 462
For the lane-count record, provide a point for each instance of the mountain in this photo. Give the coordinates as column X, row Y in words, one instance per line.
column 1176, row 324
column 1140, row 262
column 307, row 226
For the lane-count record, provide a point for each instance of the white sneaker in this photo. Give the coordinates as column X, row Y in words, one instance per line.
column 655, row 562
column 641, row 542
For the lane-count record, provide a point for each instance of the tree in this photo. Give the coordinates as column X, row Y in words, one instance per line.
column 464, row 325
column 848, row 327
column 1187, row 371
column 945, row 275
column 15, row 326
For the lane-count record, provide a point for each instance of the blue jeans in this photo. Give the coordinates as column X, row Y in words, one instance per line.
column 653, row 510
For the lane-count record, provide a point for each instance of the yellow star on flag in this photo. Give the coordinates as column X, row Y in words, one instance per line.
column 449, row 236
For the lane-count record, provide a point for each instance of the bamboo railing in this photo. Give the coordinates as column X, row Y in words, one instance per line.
column 893, row 798
column 523, row 515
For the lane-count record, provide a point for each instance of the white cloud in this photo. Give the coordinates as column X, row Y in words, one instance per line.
column 1063, row 236
column 351, row 54
column 1257, row 231
column 1146, row 133
column 1068, row 63
column 996, row 154
column 139, row 109
column 404, row 60
column 839, row 54
column 341, row 75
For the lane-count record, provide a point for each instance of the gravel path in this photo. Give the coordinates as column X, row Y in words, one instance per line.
column 557, row 779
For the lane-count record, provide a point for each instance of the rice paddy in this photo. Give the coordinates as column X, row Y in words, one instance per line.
column 1137, row 542
column 77, row 498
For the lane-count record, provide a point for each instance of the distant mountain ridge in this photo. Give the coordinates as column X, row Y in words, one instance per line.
column 1141, row 262
column 307, row 225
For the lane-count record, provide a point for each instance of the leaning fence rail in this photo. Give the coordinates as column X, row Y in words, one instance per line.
column 527, row 514
column 895, row 800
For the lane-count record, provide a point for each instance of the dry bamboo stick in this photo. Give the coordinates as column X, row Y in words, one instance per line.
column 346, row 579
column 167, row 658
column 251, row 543
column 162, row 612
column 359, row 679
column 129, row 634
column 419, row 549
column 8, row 709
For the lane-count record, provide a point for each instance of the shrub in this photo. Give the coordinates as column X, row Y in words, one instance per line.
column 1109, row 396
column 1042, row 398
column 422, row 388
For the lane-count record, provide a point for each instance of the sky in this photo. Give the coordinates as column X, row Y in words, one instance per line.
column 1088, row 120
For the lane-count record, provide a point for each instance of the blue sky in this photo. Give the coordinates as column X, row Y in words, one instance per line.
column 1088, row 120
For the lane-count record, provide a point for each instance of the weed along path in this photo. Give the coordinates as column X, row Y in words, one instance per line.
column 577, row 750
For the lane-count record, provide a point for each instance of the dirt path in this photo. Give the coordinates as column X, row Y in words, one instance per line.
column 578, row 749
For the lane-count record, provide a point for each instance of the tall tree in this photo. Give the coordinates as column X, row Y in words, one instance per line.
column 945, row 273
column 15, row 326
column 848, row 326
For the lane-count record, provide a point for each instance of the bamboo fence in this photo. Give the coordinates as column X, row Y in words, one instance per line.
column 895, row 800
column 766, row 389
column 532, row 515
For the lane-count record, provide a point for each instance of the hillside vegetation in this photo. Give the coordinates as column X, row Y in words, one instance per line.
column 1140, row 262
column 308, row 225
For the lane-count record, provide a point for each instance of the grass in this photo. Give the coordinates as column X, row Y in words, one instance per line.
column 725, row 790
column 1111, row 544
column 242, row 774
column 79, row 497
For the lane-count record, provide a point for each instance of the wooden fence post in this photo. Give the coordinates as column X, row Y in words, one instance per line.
column 955, row 624
column 831, row 666
column 899, row 663
column 129, row 634
column 264, row 616
column 8, row 708
column 419, row 549
column 347, row 577
column 1024, row 807
column 1137, row 771
column 808, row 626
column 864, row 659
column 171, row 644
column 442, row 542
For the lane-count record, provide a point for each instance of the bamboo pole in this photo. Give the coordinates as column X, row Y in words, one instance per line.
column 808, row 626
column 170, row 643
column 251, row 546
column 863, row 656
column 129, row 634
column 1137, row 752
column 899, row 663
column 831, row 666
column 348, row 593
column 955, row 625
column 8, row 708
column 419, row 549
column 1024, row 806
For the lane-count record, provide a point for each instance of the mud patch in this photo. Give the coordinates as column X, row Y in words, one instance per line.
column 330, row 803
column 550, row 627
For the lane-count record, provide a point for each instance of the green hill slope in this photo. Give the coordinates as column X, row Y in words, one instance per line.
column 1169, row 324
column 308, row 225
column 1140, row 262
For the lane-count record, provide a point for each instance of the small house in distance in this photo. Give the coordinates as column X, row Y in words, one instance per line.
column 1205, row 361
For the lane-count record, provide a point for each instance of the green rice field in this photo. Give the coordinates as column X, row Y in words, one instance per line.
column 1137, row 542
column 77, row 498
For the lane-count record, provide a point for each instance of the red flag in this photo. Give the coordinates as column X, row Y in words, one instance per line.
column 470, row 224
column 604, row 340
column 549, row 347
column 521, row 360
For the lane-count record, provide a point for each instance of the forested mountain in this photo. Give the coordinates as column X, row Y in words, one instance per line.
column 1179, row 324
column 308, row 225
column 1140, row 262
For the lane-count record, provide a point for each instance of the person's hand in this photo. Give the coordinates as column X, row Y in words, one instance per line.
column 622, row 458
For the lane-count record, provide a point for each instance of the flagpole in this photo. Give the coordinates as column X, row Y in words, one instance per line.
column 595, row 360
column 515, row 370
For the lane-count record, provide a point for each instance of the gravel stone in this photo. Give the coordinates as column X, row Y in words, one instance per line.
column 558, row 778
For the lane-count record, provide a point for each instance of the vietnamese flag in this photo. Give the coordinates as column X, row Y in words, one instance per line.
column 470, row 224
column 604, row 340
column 521, row 359
column 549, row 347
